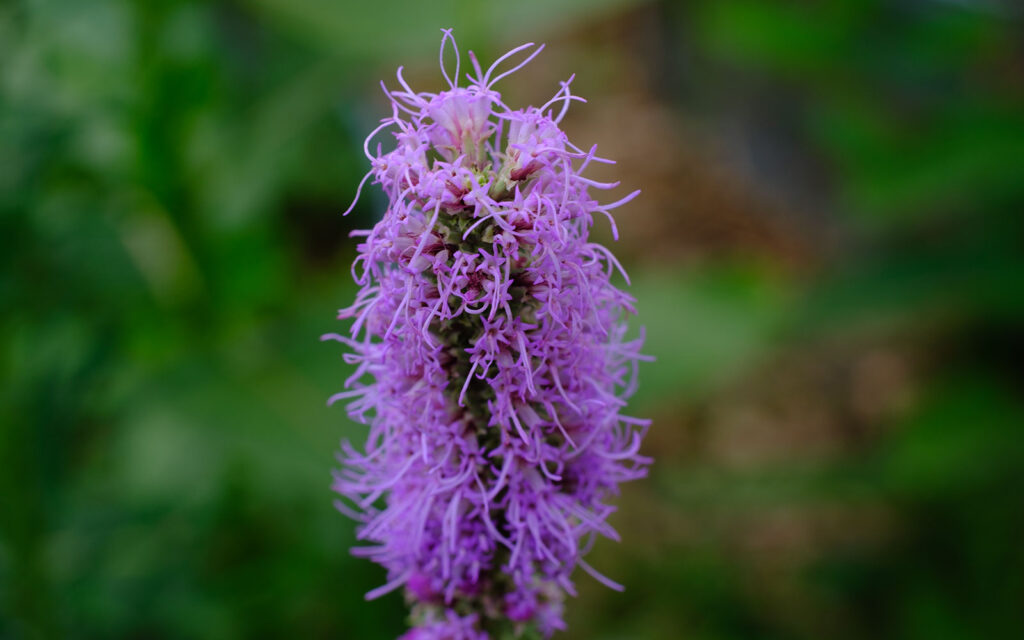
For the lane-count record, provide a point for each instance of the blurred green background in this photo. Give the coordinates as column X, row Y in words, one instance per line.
column 827, row 257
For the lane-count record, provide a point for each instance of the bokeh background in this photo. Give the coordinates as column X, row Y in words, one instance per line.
column 827, row 258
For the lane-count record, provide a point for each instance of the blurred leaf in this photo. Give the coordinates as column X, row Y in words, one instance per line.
column 781, row 36
column 963, row 437
column 928, row 285
column 410, row 28
column 899, row 171
column 705, row 328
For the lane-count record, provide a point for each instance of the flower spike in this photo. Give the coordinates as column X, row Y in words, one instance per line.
column 492, row 361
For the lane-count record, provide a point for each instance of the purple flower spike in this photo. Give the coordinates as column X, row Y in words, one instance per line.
column 492, row 362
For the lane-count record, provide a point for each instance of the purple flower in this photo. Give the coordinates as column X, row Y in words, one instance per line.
column 492, row 362
column 446, row 626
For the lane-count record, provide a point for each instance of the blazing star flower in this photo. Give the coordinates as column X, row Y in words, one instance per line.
column 492, row 362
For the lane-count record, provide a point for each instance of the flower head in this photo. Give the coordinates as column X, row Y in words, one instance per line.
column 492, row 361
